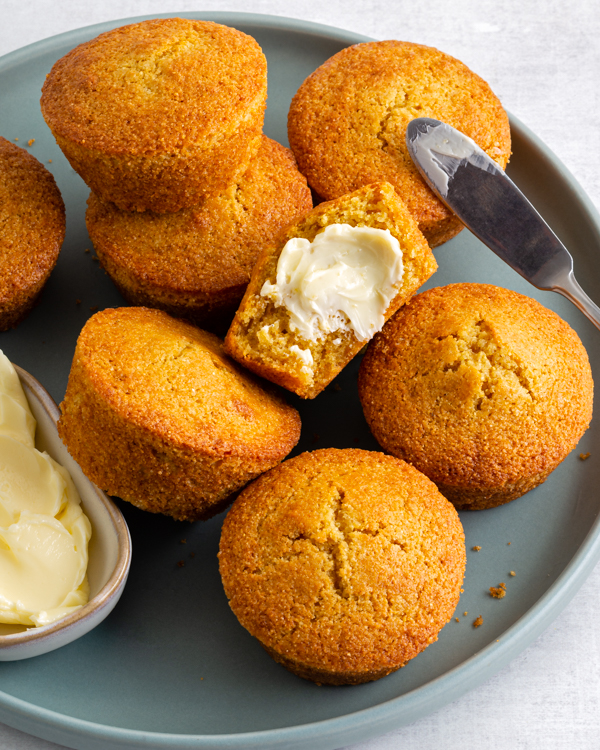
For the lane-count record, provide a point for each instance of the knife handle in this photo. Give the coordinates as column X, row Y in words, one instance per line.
column 569, row 288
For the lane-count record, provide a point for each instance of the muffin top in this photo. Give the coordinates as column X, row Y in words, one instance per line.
column 156, row 87
column 173, row 379
column 477, row 386
column 347, row 122
column 211, row 248
column 347, row 561
column 32, row 217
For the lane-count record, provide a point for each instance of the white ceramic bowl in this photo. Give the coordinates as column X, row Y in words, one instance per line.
column 109, row 548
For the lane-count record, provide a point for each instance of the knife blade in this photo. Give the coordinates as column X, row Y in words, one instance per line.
column 489, row 203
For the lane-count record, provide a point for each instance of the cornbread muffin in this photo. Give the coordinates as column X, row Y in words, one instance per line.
column 263, row 337
column 347, row 122
column 344, row 564
column 196, row 263
column 160, row 114
column 155, row 413
column 482, row 389
column 32, row 217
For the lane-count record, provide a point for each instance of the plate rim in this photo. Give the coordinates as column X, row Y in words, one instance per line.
column 387, row 715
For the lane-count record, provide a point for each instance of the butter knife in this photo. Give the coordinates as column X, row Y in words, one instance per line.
column 489, row 203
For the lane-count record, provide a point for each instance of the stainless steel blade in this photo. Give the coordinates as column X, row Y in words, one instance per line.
column 488, row 202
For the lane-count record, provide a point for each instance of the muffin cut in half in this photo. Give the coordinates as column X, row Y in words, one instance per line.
column 344, row 564
column 196, row 263
column 324, row 289
column 347, row 122
column 155, row 413
column 32, row 221
column 158, row 115
column 482, row 389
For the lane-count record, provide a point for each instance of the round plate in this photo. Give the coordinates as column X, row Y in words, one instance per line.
column 171, row 667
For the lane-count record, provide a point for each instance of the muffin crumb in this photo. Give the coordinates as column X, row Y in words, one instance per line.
column 478, row 622
column 498, row 592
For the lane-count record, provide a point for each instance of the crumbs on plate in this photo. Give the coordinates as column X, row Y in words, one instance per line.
column 498, row 592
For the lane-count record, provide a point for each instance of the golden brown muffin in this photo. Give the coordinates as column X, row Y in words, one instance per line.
column 196, row 263
column 261, row 336
column 344, row 564
column 32, row 221
column 159, row 114
column 482, row 389
column 155, row 413
column 347, row 122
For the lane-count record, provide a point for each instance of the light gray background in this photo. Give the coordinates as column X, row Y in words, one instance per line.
column 542, row 58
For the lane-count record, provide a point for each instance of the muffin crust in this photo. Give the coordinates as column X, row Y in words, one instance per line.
column 482, row 389
column 160, row 114
column 155, row 413
column 196, row 263
column 32, row 217
column 347, row 122
column 344, row 564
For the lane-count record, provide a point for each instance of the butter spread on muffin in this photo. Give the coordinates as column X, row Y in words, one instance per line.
column 344, row 279
column 265, row 336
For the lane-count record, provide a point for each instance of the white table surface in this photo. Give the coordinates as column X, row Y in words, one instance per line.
column 542, row 58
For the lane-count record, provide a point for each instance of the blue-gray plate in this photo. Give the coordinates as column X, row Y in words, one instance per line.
column 171, row 667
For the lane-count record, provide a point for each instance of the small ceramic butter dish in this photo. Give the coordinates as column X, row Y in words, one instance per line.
column 109, row 546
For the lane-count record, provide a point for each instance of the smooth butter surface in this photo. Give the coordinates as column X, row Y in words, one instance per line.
column 343, row 280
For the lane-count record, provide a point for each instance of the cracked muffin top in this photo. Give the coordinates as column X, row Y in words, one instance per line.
column 482, row 389
column 156, row 87
column 344, row 564
column 347, row 122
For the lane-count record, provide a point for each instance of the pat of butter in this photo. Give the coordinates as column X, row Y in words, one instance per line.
column 44, row 533
column 344, row 280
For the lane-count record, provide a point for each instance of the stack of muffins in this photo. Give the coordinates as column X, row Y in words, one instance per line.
column 163, row 121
